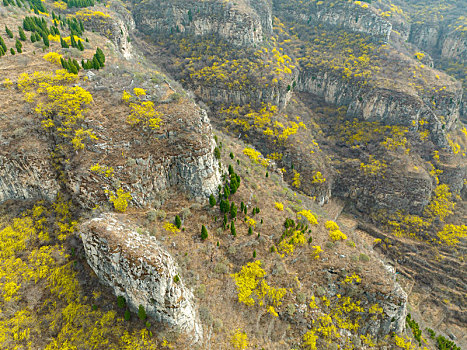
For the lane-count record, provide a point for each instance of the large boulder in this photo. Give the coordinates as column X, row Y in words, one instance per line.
column 138, row 268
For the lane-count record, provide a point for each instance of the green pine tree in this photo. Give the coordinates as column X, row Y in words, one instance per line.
column 80, row 45
column 233, row 210
column 8, row 32
column 212, row 200
column 178, row 222
column 232, row 229
column 95, row 63
column 204, row 233
column 19, row 46
column 142, row 313
column 12, row 51
column 217, row 153
column 45, row 39
column 2, row 44
column 22, row 36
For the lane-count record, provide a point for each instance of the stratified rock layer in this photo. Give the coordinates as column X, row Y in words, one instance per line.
column 136, row 267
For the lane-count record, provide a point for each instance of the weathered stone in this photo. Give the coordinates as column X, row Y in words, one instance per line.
column 136, row 267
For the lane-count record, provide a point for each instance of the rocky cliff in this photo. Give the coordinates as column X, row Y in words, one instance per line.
column 136, row 267
column 241, row 23
column 341, row 14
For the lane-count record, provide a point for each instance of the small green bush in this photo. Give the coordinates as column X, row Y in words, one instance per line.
column 142, row 313
column 204, row 233
column 121, row 302
column 127, row 315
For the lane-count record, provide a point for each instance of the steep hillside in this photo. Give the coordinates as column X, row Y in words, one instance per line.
column 324, row 207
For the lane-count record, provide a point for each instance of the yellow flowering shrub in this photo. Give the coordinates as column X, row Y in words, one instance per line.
column 450, row 234
column 318, row 178
column 126, row 96
column 250, row 222
column 256, row 157
column 7, row 83
column 334, row 231
column 317, row 251
column 252, row 288
column 239, row 340
column 144, row 114
column 309, row 340
column 296, row 181
column 169, row 227
column 309, row 216
column 288, row 244
column 353, row 278
column 120, row 200
column 102, row 170
column 139, row 92
column 279, row 206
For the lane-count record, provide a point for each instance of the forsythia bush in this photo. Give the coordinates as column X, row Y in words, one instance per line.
column 309, row 216
column 120, row 200
column 252, row 288
column 334, row 232
column 53, row 57
column 279, row 206
column 169, row 227
column 239, row 340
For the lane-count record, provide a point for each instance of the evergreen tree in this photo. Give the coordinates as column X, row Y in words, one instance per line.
column 178, row 222
column 22, row 36
column 226, row 192
column 71, row 67
column 64, row 43
column 2, row 44
column 250, row 231
column 80, row 45
column 217, row 153
column 45, row 39
column 76, row 64
column 142, row 313
column 212, row 200
column 8, row 32
column 127, row 315
column 100, row 57
column 232, row 229
column 72, row 40
column 95, row 63
column 1, row 51
column 33, row 38
column 19, row 46
column 5, row 3
column 233, row 210
column 12, row 51
column 204, row 233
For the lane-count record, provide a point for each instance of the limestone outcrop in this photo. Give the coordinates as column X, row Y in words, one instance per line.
column 239, row 23
column 138, row 268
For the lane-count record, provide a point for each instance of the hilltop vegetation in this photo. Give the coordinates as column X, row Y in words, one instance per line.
column 337, row 153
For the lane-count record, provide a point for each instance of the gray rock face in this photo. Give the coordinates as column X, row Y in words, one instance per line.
column 440, row 40
column 394, row 307
column 397, row 190
column 387, row 106
column 342, row 14
column 239, row 23
column 136, row 267
column 27, row 177
column 183, row 160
